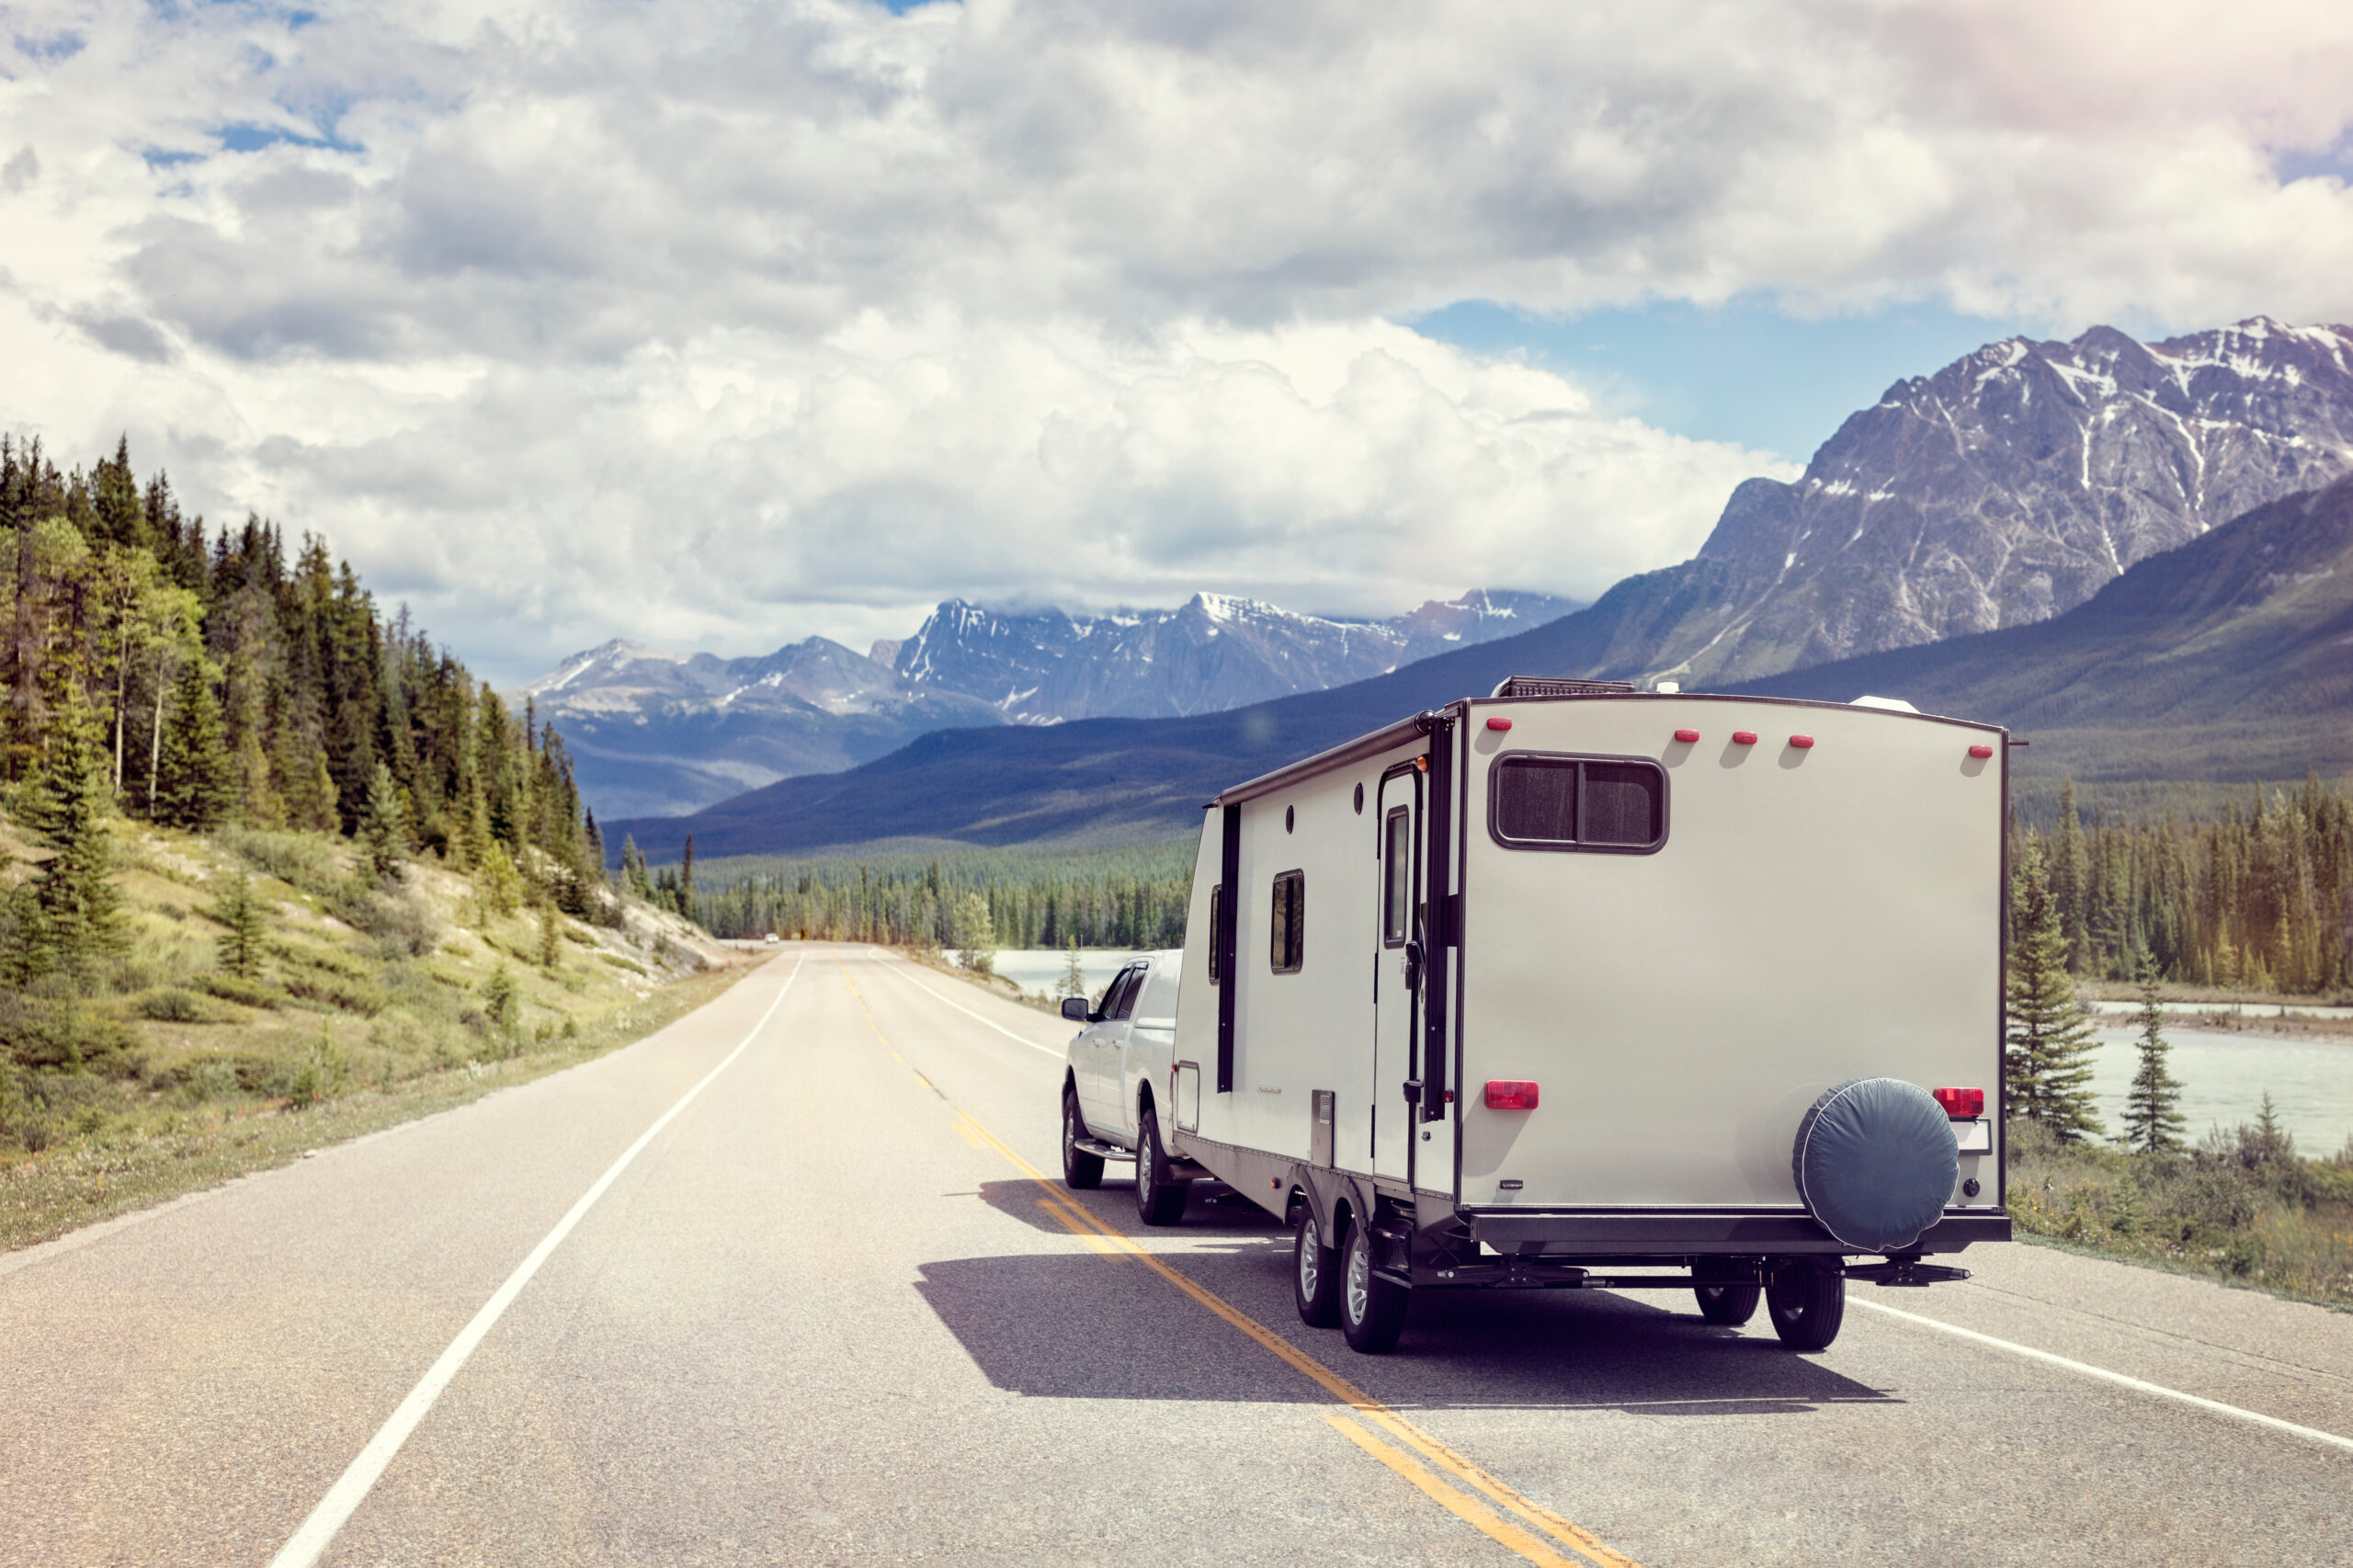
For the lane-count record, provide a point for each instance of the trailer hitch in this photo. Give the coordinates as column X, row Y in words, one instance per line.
column 1908, row 1272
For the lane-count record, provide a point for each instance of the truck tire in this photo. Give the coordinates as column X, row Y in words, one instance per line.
column 1159, row 1200
column 1729, row 1304
column 1373, row 1310
column 1314, row 1272
column 1807, row 1302
column 1081, row 1172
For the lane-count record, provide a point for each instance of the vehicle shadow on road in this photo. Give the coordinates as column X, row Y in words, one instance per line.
column 1081, row 1326
column 1212, row 1208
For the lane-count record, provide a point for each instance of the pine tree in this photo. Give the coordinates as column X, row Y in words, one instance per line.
column 195, row 782
column 241, row 946
column 1074, row 981
column 383, row 826
column 497, row 887
column 2152, row 1119
column 550, row 936
column 686, row 879
column 79, row 910
column 2046, row 1072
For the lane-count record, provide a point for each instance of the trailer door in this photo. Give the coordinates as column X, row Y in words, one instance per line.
column 1399, row 944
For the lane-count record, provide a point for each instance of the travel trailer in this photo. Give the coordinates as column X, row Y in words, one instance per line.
column 1581, row 986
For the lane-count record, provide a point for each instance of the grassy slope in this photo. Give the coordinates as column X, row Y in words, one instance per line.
column 380, row 1025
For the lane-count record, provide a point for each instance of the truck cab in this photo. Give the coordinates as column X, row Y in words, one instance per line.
column 1115, row 1075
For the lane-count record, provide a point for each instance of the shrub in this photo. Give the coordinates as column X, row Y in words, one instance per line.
column 344, row 995
column 210, row 1080
column 244, row 993
column 173, row 1006
column 303, row 860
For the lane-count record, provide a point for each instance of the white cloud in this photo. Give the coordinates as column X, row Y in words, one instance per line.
column 722, row 323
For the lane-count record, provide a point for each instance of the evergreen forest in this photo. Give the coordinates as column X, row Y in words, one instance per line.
column 201, row 679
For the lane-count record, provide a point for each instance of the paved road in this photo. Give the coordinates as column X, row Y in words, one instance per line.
column 826, row 1315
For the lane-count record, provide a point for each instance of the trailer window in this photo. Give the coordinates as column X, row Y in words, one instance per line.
column 1576, row 803
column 1290, row 927
column 1217, row 931
column 1397, row 876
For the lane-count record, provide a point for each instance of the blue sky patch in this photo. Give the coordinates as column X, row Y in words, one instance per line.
column 1747, row 372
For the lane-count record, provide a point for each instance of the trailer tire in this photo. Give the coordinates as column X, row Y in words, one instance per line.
column 1081, row 1171
column 1728, row 1305
column 1373, row 1310
column 1807, row 1302
column 1314, row 1272
column 1159, row 1200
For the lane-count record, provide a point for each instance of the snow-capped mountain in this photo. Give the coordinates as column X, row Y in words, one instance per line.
column 1210, row 653
column 655, row 733
column 2006, row 488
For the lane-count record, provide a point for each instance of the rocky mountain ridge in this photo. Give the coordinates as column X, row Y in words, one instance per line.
column 655, row 733
column 2005, row 489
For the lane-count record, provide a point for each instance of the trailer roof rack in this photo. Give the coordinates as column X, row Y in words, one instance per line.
column 1558, row 685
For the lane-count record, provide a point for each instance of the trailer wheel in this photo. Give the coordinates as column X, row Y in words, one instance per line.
column 1081, row 1170
column 1807, row 1303
column 1314, row 1272
column 1159, row 1201
column 1373, row 1310
column 1729, row 1304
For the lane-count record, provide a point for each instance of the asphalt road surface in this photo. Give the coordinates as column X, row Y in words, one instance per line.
column 829, row 1312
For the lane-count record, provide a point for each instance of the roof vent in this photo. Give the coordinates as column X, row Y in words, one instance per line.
column 1551, row 686
column 1892, row 704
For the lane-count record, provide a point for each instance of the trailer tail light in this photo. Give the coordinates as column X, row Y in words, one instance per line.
column 1801, row 741
column 1499, row 723
column 1743, row 737
column 1510, row 1094
column 1981, row 752
column 1961, row 1104
column 1687, row 736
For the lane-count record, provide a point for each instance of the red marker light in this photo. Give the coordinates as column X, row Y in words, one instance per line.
column 1499, row 723
column 1743, row 737
column 1510, row 1094
column 1981, row 752
column 1687, row 736
column 1803, row 742
column 1961, row 1104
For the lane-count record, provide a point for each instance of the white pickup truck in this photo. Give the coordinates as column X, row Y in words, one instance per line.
column 1117, row 1067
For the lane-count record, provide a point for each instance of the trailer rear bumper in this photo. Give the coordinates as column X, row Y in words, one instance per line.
column 1670, row 1232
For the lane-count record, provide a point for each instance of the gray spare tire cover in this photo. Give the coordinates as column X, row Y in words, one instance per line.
column 1875, row 1163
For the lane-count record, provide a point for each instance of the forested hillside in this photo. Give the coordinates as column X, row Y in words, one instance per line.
column 198, row 679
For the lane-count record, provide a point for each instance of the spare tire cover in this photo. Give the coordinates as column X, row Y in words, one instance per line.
column 1875, row 1163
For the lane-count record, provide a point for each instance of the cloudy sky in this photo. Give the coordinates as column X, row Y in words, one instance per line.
column 717, row 325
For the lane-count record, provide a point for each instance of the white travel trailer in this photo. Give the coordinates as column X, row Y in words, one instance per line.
column 1581, row 986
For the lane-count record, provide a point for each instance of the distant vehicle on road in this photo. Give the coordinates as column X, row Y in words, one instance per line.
column 1603, row 989
column 771, row 936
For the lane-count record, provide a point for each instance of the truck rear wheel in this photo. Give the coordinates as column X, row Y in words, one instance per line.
column 1729, row 1304
column 1807, row 1302
column 1314, row 1272
column 1081, row 1170
column 1159, row 1201
column 1373, row 1310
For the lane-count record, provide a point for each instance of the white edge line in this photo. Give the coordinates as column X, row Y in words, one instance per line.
column 893, row 966
column 2104, row 1375
column 352, row 1487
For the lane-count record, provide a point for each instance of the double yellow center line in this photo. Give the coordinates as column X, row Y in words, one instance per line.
column 1527, row 1527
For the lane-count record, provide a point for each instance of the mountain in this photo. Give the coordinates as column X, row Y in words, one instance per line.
column 657, row 733
column 2230, row 659
column 1212, row 652
column 2003, row 490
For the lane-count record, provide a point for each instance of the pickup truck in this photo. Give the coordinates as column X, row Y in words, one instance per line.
column 1114, row 1071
